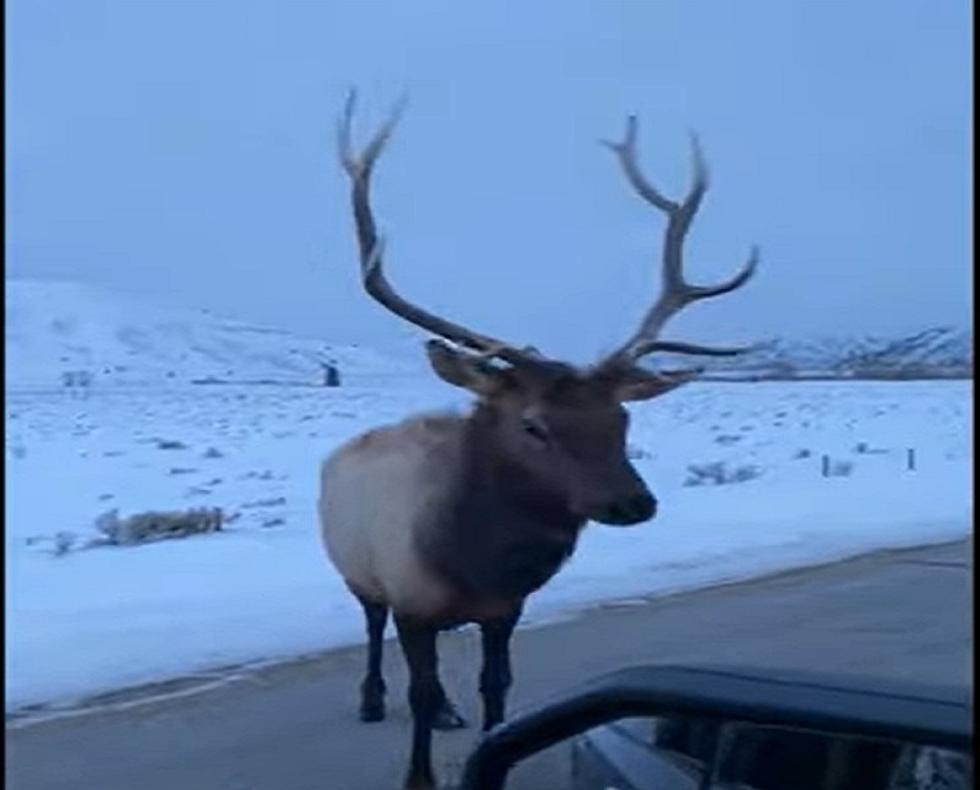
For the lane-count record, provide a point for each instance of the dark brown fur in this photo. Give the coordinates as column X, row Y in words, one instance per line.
column 505, row 535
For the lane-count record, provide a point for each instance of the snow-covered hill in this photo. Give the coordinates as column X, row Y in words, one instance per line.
column 60, row 333
column 938, row 352
column 754, row 479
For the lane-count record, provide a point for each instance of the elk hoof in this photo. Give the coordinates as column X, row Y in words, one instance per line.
column 448, row 718
column 374, row 711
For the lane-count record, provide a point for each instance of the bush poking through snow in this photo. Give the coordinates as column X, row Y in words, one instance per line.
column 63, row 543
column 717, row 473
column 863, row 448
column 841, row 468
column 157, row 525
column 270, row 502
column 170, row 444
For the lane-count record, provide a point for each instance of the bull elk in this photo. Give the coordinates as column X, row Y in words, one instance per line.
column 447, row 519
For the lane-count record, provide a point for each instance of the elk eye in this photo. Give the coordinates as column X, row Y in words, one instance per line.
column 535, row 429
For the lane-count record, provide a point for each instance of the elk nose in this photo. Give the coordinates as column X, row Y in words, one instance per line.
column 630, row 510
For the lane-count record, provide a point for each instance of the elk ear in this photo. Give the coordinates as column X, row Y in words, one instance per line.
column 465, row 370
column 638, row 384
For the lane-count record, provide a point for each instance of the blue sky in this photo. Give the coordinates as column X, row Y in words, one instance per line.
column 184, row 149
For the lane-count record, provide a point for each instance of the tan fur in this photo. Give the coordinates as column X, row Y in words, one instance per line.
column 375, row 492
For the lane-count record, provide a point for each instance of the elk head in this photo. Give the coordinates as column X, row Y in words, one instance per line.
column 562, row 426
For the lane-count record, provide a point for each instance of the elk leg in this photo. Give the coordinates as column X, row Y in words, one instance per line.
column 373, row 686
column 448, row 718
column 425, row 696
column 495, row 677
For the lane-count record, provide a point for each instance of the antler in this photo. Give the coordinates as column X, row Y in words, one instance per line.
column 371, row 245
column 677, row 293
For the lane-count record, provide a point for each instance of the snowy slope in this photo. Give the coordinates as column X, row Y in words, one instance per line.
column 738, row 470
column 58, row 328
column 936, row 352
column 262, row 588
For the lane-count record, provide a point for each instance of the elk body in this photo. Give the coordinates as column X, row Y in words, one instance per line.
column 447, row 519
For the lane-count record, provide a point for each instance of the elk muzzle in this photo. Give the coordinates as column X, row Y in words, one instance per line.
column 628, row 510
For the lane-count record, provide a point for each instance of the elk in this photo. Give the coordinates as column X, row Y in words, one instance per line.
column 447, row 519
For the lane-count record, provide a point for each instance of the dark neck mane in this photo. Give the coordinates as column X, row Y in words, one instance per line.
column 503, row 535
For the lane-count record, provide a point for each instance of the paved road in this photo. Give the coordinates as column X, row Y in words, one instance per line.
column 292, row 727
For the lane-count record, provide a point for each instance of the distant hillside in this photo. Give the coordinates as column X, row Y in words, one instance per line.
column 939, row 352
column 59, row 332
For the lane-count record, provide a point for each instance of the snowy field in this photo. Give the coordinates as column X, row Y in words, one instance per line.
column 91, row 619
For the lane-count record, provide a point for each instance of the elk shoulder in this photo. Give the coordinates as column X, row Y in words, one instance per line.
column 376, row 493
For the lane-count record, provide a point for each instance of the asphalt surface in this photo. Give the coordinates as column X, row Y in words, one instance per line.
column 293, row 727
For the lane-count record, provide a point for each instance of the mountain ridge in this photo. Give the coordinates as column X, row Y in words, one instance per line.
column 60, row 333
column 65, row 334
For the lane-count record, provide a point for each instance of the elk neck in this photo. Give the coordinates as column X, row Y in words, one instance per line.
column 502, row 535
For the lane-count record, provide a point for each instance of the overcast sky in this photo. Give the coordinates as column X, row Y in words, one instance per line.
column 184, row 149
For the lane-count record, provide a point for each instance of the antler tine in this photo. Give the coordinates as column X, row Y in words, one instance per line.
column 678, row 378
column 372, row 245
column 677, row 293
column 626, row 153
column 361, row 166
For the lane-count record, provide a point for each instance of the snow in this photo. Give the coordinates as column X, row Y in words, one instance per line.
column 940, row 352
column 102, row 618
column 52, row 328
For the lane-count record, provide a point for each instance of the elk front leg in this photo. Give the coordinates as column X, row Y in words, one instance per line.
column 495, row 677
column 425, row 696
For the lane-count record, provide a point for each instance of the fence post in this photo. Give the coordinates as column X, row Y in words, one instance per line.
column 825, row 466
column 910, row 459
